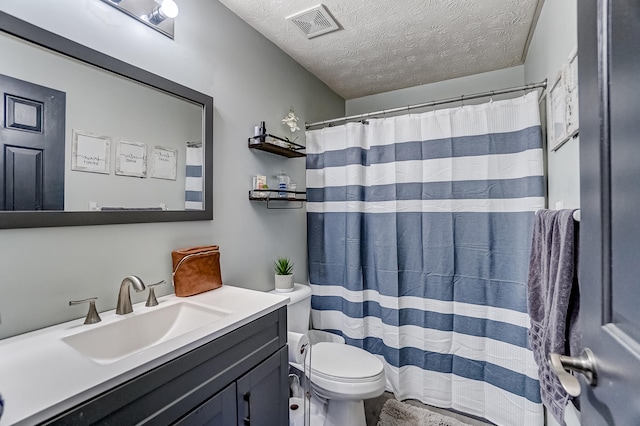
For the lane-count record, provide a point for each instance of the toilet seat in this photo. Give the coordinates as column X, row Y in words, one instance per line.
column 341, row 371
column 344, row 362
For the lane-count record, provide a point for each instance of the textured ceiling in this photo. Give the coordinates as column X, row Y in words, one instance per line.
column 392, row 44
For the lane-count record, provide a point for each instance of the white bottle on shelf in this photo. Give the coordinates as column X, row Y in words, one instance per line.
column 283, row 184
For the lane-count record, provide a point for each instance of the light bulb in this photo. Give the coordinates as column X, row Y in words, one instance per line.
column 169, row 8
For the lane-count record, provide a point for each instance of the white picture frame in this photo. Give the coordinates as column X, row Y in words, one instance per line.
column 570, row 77
column 556, row 110
column 131, row 159
column 90, row 152
column 164, row 163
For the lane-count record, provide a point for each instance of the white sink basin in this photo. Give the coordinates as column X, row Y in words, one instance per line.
column 111, row 342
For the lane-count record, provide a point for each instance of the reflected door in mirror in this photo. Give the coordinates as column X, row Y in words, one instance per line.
column 32, row 143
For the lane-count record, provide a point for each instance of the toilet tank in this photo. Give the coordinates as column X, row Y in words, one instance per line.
column 299, row 308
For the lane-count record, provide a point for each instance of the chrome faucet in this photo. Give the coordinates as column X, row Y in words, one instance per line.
column 124, row 298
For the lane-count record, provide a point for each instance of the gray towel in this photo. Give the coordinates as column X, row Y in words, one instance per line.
column 553, row 300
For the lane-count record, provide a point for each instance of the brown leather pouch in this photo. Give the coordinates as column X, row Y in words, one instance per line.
column 196, row 270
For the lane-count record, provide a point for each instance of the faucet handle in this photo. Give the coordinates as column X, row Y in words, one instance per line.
column 151, row 300
column 92, row 315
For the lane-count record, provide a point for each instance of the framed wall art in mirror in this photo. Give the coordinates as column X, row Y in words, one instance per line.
column 131, row 159
column 90, row 153
column 164, row 163
column 119, row 102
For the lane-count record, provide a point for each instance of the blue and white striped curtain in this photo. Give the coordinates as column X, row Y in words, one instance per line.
column 419, row 231
column 193, row 177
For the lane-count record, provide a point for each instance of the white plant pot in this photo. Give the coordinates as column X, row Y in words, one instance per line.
column 284, row 283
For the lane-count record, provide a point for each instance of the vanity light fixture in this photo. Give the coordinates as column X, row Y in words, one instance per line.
column 168, row 9
column 156, row 14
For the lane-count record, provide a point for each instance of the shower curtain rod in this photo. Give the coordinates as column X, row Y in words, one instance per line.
column 531, row 86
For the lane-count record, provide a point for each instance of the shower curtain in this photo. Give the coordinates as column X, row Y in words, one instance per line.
column 419, row 231
column 193, row 199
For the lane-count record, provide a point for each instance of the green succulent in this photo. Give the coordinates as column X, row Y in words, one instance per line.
column 283, row 266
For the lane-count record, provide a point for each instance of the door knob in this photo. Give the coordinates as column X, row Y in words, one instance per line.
column 584, row 364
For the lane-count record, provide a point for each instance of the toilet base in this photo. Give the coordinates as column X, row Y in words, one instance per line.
column 316, row 410
column 327, row 413
column 335, row 412
column 345, row 412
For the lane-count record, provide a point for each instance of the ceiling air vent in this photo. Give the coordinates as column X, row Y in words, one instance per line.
column 314, row 21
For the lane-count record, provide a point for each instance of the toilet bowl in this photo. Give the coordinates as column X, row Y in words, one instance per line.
column 341, row 376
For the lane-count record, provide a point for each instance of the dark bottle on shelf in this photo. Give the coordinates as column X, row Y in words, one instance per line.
column 263, row 132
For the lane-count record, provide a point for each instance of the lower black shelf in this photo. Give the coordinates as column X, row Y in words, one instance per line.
column 273, row 196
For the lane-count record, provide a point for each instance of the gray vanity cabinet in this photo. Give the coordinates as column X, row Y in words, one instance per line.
column 259, row 393
column 219, row 410
column 255, row 399
column 240, row 378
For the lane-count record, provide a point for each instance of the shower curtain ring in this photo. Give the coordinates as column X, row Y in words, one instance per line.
column 462, row 101
column 491, row 98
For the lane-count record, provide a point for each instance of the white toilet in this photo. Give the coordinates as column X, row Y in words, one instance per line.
column 342, row 376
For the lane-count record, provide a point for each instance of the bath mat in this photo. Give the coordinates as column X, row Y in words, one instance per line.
column 396, row 413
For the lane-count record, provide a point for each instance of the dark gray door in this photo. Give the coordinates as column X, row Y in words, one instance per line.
column 32, row 146
column 609, row 79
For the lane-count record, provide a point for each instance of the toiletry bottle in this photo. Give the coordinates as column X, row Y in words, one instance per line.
column 283, row 184
column 257, row 131
column 263, row 132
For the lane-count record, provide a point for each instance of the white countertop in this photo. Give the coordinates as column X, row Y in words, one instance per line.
column 41, row 376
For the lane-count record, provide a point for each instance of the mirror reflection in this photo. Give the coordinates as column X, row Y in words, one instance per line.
column 80, row 138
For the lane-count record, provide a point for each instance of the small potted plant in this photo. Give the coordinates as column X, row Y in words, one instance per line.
column 284, row 274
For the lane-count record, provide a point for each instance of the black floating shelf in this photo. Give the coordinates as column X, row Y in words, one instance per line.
column 272, row 196
column 276, row 145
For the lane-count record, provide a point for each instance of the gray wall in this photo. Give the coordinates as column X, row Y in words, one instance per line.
column 250, row 80
column 554, row 39
column 477, row 83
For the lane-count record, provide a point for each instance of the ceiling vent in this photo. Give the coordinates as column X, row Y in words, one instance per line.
column 314, row 21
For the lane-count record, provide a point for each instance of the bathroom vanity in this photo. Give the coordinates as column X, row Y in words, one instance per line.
column 220, row 357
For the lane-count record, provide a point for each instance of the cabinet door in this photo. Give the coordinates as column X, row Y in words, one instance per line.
column 263, row 393
column 220, row 410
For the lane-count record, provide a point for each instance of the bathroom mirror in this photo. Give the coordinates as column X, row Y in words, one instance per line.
column 133, row 141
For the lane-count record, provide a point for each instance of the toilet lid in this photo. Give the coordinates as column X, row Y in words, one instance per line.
column 343, row 361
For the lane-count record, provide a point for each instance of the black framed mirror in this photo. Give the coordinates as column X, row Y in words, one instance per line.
column 124, row 193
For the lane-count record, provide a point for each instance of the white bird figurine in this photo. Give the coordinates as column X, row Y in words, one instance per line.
column 291, row 120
